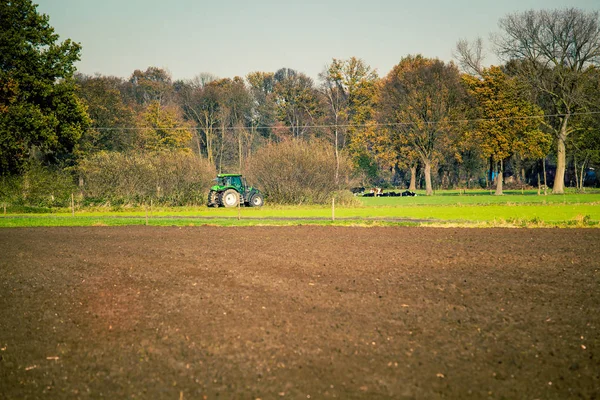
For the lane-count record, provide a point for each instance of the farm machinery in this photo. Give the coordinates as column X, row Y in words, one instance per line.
column 231, row 190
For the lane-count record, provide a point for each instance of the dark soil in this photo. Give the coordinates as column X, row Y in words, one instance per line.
column 300, row 312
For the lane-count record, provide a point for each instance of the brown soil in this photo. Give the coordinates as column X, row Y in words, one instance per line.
column 301, row 312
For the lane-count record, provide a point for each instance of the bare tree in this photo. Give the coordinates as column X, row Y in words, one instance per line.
column 337, row 100
column 203, row 79
column 200, row 104
column 551, row 50
column 470, row 56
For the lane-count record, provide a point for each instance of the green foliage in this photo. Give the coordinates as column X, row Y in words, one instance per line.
column 38, row 186
column 113, row 122
column 10, row 189
column 38, row 106
column 367, row 166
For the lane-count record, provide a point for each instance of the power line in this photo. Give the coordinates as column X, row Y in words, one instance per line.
column 375, row 125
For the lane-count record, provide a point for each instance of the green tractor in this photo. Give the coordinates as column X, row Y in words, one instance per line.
column 231, row 190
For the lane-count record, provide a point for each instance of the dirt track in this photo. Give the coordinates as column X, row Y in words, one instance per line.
column 304, row 312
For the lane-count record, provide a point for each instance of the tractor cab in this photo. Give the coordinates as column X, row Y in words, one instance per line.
column 234, row 181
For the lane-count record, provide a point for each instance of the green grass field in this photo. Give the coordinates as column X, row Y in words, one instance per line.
column 450, row 208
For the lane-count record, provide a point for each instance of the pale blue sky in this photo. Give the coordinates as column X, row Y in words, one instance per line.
column 234, row 37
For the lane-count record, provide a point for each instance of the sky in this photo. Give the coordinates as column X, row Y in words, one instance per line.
column 228, row 38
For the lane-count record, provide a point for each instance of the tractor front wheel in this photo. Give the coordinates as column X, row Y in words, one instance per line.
column 230, row 198
column 257, row 200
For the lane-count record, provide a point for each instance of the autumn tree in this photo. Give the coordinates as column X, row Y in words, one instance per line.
column 554, row 48
column 420, row 99
column 39, row 111
column 396, row 153
column 507, row 123
column 349, row 87
column 163, row 127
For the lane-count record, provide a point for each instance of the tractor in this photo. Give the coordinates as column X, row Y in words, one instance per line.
column 231, row 190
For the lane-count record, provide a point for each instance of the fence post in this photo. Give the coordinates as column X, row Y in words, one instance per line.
column 146, row 208
column 72, row 205
column 333, row 209
column 240, row 208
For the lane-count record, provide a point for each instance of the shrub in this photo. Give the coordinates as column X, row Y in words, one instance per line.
column 39, row 186
column 169, row 178
column 298, row 172
column 345, row 198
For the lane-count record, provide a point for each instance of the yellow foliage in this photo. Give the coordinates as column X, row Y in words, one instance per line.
column 164, row 128
column 508, row 123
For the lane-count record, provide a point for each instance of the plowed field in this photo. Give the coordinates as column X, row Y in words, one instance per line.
column 299, row 312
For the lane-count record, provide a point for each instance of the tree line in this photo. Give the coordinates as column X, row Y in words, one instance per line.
column 427, row 123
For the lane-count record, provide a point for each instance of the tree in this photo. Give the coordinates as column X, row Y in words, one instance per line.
column 112, row 122
column 39, row 111
column 507, row 123
column 235, row 104
column 263, row 107
column 349, row 87
column 584, row 143
column 152, row 85
column 164, row 128
column 419, row 100
column 296, row 100
column 199, row 100
column 470, row 56
column 584, row 146
column 553, row 50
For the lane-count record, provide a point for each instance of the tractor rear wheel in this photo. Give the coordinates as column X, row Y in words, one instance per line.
column 230, row 198
column 212, row 199
column 257, row 200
